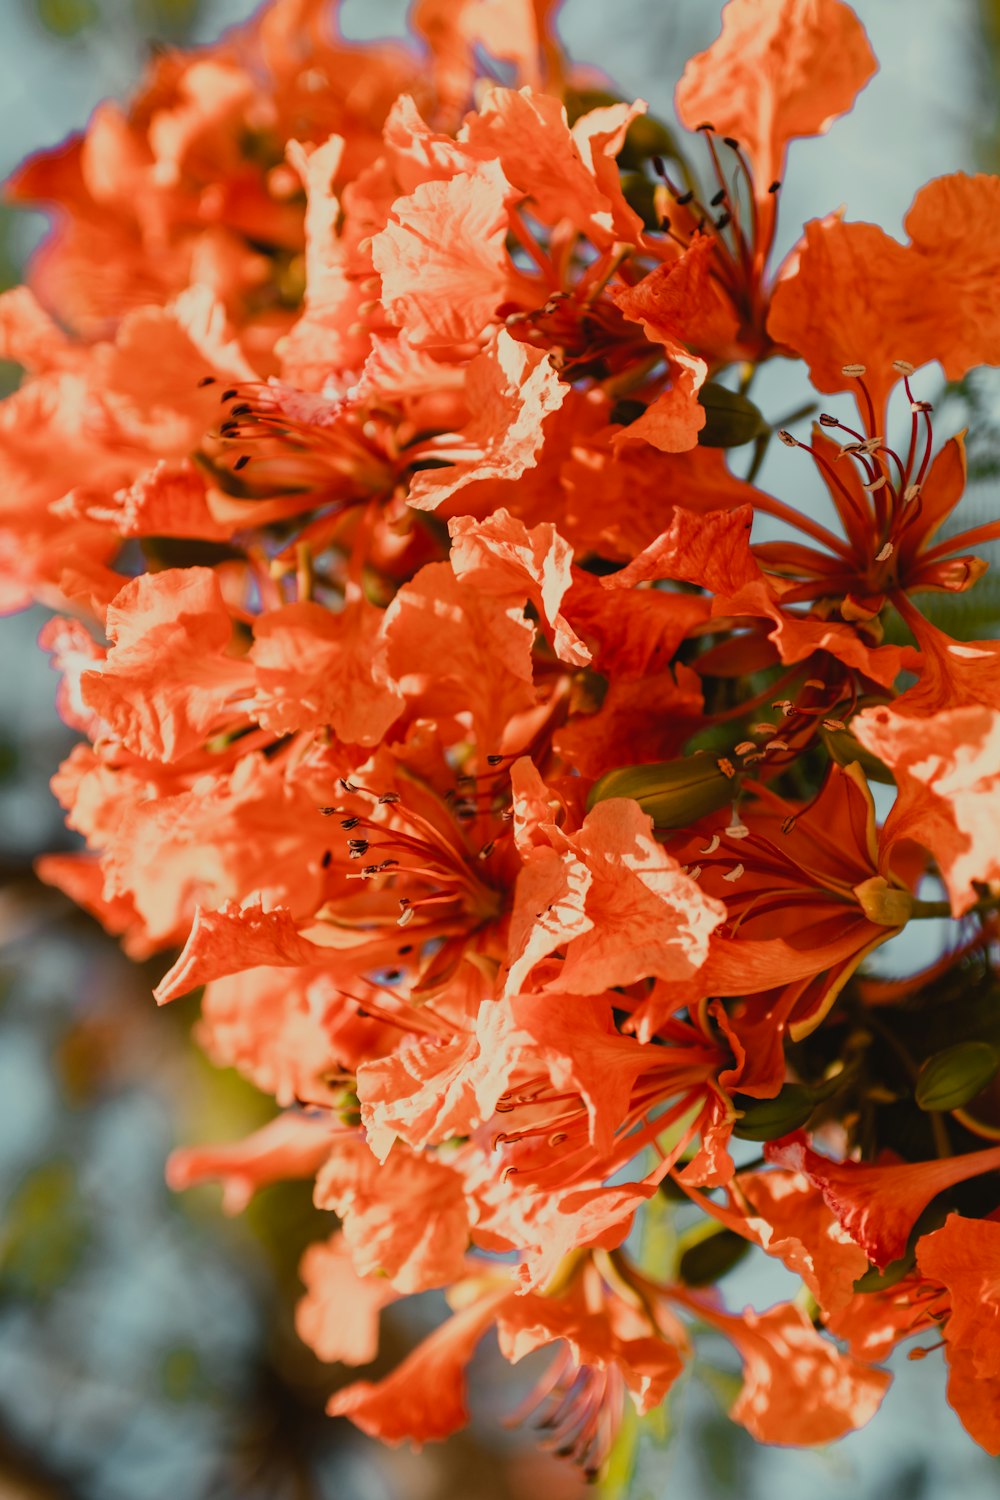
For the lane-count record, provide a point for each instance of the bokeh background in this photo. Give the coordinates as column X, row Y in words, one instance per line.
column 146, row 1343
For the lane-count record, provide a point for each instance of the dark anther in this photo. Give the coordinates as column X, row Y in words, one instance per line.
column 774, row 186
column 328, row 812
column 241, row 462
column 372, row 870
column 825, row 420
column 705, row 125
column 206, row 380
column 350, row 822
column 392, row 975
column 348, row 785
column 733, row 145
column 406, row 948
column 242, row 410
column 683, row 198
column 327, row 859
column 228, row 429
column 493, row 760
column 723, row 220
column 229, row 395
column 656, row 162
column 387, row 864
column 719, row 198
column 358, row 846
column 388, row 797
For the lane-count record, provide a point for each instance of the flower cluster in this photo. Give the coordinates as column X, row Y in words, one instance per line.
column 508, row 795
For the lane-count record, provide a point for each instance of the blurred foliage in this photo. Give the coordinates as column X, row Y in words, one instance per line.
column 68, row 20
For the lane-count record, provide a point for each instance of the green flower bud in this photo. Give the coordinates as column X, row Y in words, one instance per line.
column 674, row 792
column 767, row 1119
column 706, row 1261
column 951, row 1078
column 730, row 419
column 844, row 748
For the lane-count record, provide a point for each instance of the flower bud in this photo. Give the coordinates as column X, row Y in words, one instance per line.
column 707, row 1260
column 767, row 1119
column 951, row 1078
column 673, row 792
column 844, row 749
column 731, row 419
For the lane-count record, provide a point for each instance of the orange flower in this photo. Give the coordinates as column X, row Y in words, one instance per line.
column 856, row 296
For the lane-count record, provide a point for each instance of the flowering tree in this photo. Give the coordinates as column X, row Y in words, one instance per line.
column 510, row 800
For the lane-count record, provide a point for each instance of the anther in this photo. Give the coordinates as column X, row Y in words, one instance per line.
column 911, row 492
column 487, row 850
column 903, row 366
column 229, row 395
column 871, row 485
column 726, row 767
column 723, row 220
column 775, row 186
column 776, row 745
column 349, row 823
column 825, row 420
column 328, row 812
column 206, row 380
column 684, row 198
column 719, row 197
column 493, row 760
column 737, row 830
column 745, row 747
column 243, row 410
column 241, row 462
column 834, row 725
column 712, row 845
column 787, row 439
column 388, row 797
column 853, row 371
column 731, row 142
column 734, row 873
column 693, row 871
column 349, row 786
column 327, row 859
column 884, row 553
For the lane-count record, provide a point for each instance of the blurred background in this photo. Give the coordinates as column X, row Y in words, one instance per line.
column 146, row 1343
